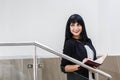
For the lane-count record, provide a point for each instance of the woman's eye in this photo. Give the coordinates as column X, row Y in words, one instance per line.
column 72, row 25
column 78, row 25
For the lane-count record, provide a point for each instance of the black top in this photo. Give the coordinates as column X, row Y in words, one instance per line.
column 76, row 49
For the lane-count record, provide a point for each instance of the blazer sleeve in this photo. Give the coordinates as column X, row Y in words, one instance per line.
column 68, row 50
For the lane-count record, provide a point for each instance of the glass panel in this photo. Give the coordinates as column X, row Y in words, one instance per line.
column 16, row 63
column 50, row 67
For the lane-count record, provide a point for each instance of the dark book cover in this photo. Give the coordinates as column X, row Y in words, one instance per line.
column 92, row 63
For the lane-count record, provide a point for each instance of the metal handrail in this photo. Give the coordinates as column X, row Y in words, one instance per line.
column 36, row 44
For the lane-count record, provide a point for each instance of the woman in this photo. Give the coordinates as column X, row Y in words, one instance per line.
column 77, row 45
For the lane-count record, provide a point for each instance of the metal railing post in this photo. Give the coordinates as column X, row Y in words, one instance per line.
column 35, row 64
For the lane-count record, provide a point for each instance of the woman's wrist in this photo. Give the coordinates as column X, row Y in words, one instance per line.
column 78, row 67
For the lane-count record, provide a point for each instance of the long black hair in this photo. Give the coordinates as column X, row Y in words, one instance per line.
column 73, row 19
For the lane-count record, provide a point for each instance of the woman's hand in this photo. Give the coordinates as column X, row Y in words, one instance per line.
column 71, row 68
column 85, row 60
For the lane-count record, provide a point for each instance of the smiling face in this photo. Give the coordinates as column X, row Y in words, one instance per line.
column 75, row 29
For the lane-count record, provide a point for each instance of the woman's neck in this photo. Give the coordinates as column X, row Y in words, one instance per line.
column 76, row 37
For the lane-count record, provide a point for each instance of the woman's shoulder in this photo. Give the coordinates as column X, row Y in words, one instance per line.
column 69, row 45
column 69, row 42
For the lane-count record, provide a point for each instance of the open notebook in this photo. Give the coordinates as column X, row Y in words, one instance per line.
column 96, row 62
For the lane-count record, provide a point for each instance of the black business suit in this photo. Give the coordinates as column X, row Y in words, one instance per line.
column 76, row 49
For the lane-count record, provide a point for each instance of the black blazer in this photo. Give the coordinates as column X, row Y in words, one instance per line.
column 76, row 49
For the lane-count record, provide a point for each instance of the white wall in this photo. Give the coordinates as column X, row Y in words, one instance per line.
column 109, row 30
column 44, row 21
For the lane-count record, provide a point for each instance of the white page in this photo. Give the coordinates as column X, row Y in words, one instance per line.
column 101, row 59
